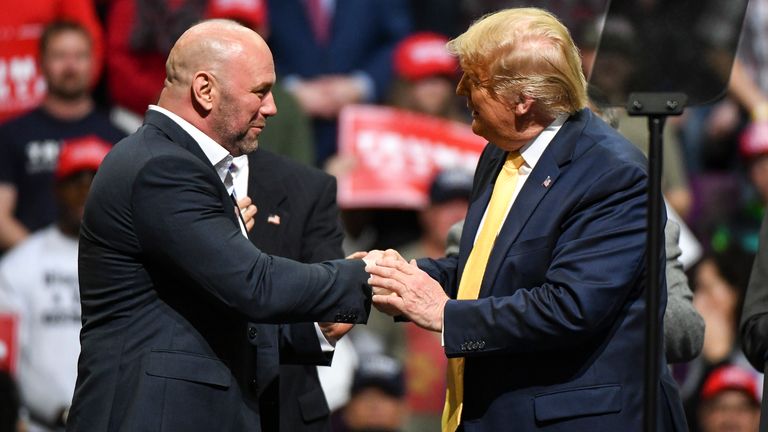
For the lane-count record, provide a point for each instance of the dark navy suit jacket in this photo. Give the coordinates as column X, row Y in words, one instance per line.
column 555, row 341
column 168, row 285
column 309, row 230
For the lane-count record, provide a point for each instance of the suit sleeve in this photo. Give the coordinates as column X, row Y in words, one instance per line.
column 596, row 264
column 180, row 221
column 322, row 236
column 754, row 321
column 683, row 326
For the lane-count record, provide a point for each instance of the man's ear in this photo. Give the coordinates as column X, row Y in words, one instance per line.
column 203, row 90
column 523, row 105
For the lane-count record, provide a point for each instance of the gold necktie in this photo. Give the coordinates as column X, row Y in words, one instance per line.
column 469, row 286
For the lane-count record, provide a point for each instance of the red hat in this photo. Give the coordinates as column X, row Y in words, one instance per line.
column 81, row 154
column 730, row 377
column 753, row 141
column 422, row 55
column 251, row 13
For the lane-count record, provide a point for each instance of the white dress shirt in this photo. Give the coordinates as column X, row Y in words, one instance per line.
column 531, row 154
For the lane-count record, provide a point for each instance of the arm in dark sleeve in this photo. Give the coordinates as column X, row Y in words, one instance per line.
column 683, row 326
column 179, row 218
column 754, row 320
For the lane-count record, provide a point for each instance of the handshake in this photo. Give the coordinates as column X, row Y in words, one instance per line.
column 401, row 288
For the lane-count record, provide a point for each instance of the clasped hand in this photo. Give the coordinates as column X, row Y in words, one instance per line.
column 401, row 288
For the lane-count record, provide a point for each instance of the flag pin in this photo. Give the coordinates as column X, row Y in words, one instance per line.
column 547, row 182
column 273, row 219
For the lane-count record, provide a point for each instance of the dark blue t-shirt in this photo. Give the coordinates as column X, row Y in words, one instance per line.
column 29, row 149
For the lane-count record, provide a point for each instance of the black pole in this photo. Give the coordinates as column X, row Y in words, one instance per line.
column 657, row 107
column 652, row 342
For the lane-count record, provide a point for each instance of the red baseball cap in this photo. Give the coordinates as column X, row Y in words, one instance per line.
column 251, row 13
column 753, row 141
column 730, row 377
column 422, row 55
column 81, row 154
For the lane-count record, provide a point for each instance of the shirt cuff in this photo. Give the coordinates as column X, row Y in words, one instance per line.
column 442, row 330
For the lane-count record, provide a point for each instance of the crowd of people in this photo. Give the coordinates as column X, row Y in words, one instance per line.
column 76, row 77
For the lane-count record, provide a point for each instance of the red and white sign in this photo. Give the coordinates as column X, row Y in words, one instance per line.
column 397, row 153
column 8, row 342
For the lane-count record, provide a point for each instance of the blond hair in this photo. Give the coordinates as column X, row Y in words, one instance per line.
column 527, row 51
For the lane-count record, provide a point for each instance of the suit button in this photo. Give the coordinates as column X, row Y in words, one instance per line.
column 463, row 346
column 252, row 332
column 338, row 318
column 482, row 344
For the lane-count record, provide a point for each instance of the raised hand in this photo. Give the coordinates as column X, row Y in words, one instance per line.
column 248, row 211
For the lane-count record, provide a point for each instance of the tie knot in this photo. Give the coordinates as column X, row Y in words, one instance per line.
column 514, row 160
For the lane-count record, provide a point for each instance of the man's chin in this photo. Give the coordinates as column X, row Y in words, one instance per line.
column 248, row 147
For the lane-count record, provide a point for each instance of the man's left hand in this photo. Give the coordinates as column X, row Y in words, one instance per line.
column 247, row 211
column 335, row 331
column 419, row 297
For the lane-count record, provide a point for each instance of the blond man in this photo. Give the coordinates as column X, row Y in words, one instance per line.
column 542, row 311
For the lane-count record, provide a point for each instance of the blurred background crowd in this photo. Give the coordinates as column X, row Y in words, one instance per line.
column 77, row 75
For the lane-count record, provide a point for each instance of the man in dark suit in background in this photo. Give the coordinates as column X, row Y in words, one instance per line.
column 297, row 218
column 168, row 279
column 754, row 317
column 333, row 53
column 542, row 313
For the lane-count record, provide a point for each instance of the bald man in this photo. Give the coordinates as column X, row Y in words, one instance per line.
column 168, row 279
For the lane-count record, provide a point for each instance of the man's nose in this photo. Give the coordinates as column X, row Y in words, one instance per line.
column 268, row 107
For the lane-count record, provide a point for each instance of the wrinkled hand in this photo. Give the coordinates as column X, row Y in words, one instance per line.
column 248, row 211
column 372, row 256
column 414, row 293
column 335, row 331
column 395, row 255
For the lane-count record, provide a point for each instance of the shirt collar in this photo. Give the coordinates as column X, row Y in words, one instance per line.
column 532, row 151
column 216, row 154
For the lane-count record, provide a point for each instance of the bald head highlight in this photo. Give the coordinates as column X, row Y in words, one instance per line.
column 208, row 46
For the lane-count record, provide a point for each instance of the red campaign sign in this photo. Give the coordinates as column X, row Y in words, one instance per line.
column 397, row 153
column 8, row 342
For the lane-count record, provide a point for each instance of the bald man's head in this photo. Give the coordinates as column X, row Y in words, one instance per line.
column 219, row 78
column 210, row 45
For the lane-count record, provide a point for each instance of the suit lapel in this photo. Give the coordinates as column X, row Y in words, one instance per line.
column 554, row 159
column 527, row 200
column 179, row 136
column 270, row 197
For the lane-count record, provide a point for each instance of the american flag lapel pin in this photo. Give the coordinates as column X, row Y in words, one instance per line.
column 273, row 219
column 547, row 182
